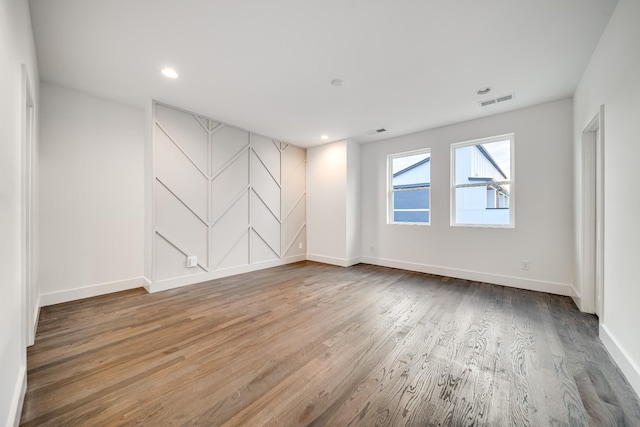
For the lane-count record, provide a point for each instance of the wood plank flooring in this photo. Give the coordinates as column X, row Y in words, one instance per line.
column 312, row 344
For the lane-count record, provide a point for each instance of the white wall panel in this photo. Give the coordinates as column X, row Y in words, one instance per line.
column 187, row 132
column 226, row 231
column 265, row 223
column 176, row 221
column 174, row 262
column 260, row 251
column 226, row 143
column 230, row 178
column 229, row 183
column 175, row 170
column 269, row 152
column 264, row 185
column 238, row 254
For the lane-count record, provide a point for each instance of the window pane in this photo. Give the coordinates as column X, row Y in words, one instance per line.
column 483, row 162
column 410, row 216
column 410, row 179
column 416, row 199
column 481, row 195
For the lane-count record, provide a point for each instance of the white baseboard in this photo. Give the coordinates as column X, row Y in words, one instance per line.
column 513, row 282
column 163, row 285
column 36, row 318
column 621, row 357
column 342, row 262
column 19, row 391
column 90, row 291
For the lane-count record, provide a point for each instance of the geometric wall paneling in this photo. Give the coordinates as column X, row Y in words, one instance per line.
column 229, row 182
column 187, row 131
column 228, row 228
column 226, row 195
column 260, row 250
column 180, row 175
column 293, row 188
column 173, row 263
column 269, row 153
column 238, row 255
column 293, row 249
column 226, row 142
column 293, row 225
column 292, row 158
column 265, row 185
column 265, row 224
column 180, row 226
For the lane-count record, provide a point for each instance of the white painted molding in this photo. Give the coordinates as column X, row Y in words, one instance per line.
column 163, row 285
column 342, row 262
column 146, row 284
column 628, row 367
column 91, row 291
column 497, row 279
column 20, row 390
column 36, row 319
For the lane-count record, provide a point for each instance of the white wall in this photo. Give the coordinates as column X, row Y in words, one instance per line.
column 353, row 229
column 232, row 198
column 612, row 79
column 333, row 204
column 16, row 48
column 92, row 194
column 543, row 233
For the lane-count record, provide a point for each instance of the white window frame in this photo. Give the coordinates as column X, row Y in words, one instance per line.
column 390, row 190
column 511, row 182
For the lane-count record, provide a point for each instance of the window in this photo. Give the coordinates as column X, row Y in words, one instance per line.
column 410, row 188
column 482, row 182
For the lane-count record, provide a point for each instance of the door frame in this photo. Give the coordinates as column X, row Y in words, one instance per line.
column 592, row 214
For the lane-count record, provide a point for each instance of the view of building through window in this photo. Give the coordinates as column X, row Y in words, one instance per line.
column 482, row 182
column 410, row 186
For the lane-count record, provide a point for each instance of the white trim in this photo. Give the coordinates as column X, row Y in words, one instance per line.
column 166, row 284
column 497, row 279
column 342, row 262
column 91, row 291
column 36, row 318
column 628, row 367
column 19, row 391
column 146, row 284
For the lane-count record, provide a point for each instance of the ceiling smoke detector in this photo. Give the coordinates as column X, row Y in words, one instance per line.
column 496, row 100
column 484, row 90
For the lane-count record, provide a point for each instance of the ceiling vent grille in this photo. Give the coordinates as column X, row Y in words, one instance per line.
column 496, row 100
column 375, row 131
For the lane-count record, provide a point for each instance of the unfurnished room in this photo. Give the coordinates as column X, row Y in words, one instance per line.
column 327, row 213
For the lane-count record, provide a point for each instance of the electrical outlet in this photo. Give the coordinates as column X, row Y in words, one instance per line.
column 524, row 265
column 300, row 245
column 192, row 261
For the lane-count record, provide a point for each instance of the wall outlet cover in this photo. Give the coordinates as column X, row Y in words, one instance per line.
column 192, row 261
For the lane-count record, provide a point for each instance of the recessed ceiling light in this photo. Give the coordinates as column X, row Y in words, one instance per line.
column 484, row 90
column 170, row 72
column 336, row 82
column 324, row 137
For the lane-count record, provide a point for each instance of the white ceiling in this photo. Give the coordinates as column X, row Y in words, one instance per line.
column 407, row 65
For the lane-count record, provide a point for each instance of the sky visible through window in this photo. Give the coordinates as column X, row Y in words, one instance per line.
column 404, row 162
column 501, row 153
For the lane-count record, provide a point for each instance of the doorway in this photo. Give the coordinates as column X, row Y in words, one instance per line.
column 28, row 137
column 593, row 215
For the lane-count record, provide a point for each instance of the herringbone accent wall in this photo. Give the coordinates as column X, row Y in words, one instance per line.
column 225, row 195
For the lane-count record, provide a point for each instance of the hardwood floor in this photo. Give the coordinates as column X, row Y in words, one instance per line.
column 312, row 344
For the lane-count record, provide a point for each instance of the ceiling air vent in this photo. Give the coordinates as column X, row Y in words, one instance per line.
column 496, row 100
column 375, row 131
